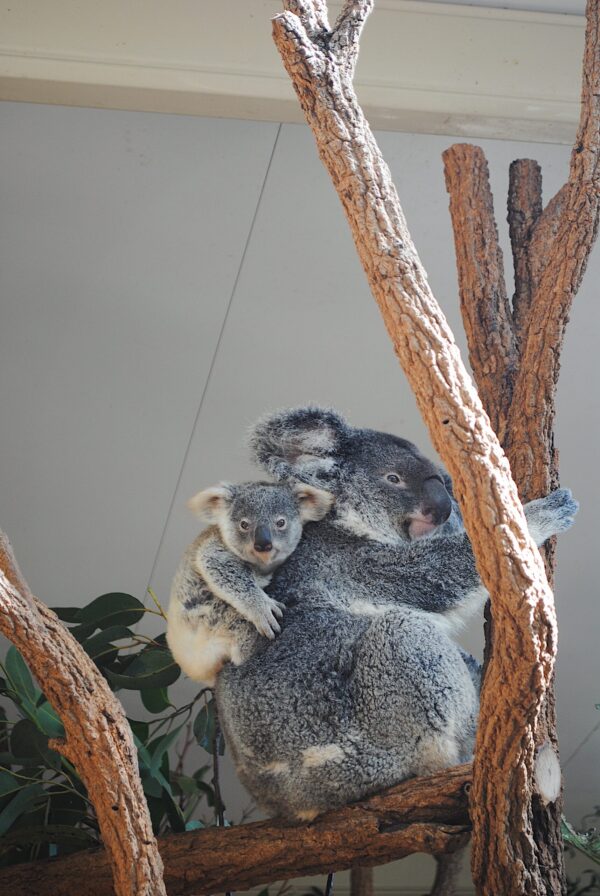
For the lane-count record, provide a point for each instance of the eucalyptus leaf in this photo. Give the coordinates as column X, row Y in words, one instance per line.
column 140, row 730
column 204, row 726
column 29, row 744
column 151, row 786
column 145, row 758
column 24, row 800
column 155, row 700
column 115, row 608
column 49, row 721
column 174, row 813
column 153, row 668
column 81, row 632
column 67, row 614
column 103, row 642
column 158, row 748
column 143, row 754
column 19, row 676
column 8, row 783
column 185, row 784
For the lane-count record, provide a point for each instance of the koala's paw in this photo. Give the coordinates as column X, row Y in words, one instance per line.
column 551, row 515
column 265, row 617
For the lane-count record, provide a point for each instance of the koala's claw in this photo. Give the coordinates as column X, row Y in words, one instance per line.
column 265, row 619
column 562, row 500
column 551, row 515
column 562, row 503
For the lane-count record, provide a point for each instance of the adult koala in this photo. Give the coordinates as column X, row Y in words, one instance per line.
column 363, row 687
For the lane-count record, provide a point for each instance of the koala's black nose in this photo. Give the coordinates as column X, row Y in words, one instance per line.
column 262, row 539
column 436, row 500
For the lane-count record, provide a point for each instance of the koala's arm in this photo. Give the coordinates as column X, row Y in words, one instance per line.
column 233, row 581
column 439, row 574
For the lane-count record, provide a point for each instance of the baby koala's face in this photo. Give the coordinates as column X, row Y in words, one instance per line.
column 263, row 526
column 259, row 522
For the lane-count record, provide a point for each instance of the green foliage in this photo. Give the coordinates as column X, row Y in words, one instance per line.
column 587, row 843
column 44, row 809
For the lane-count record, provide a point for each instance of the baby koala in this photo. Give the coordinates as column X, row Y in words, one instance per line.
column 218, row 587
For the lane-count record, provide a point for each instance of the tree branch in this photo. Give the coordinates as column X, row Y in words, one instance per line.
column 484, row 304
column 98, row 737
column 524, row 210
column 312, row 14
column 347, row 30
column 566, row 254
column 420, row 815
column 510, row 566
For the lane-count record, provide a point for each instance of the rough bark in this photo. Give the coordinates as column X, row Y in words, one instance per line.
column 98, row 738
column 550, row 251
column 524, row 210
column 520, row 668
column 484, row 304
column 565, row 246
column 420, row 815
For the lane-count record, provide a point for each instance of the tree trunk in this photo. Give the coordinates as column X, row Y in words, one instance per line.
column 550, row 250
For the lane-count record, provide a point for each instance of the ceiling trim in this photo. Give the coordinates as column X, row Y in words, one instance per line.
column 448, row 69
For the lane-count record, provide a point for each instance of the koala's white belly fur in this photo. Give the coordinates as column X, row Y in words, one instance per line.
column 201, row 651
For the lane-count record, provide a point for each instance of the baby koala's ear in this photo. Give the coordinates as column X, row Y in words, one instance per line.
column 313, row 503
column 210, row 503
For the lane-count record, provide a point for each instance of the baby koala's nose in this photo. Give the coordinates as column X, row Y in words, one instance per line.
column 262, row 539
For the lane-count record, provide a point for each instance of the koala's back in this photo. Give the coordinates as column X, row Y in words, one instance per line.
column 323, row 556
column 367, row 694
column 360, row 703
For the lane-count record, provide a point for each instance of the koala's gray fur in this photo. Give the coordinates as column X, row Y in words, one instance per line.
column 218, row 588
column 363, row 687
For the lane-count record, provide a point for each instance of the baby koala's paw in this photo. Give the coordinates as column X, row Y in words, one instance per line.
column 551, row 515
column 265, row 615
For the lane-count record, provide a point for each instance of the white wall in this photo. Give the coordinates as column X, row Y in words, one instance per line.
column 164, row 280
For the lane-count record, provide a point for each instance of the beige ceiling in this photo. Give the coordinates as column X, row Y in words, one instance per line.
column 425, row 66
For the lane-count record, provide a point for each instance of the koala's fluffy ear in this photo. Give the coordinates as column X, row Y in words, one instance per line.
column 210, row 503
column 313, row 503
column 303, row 443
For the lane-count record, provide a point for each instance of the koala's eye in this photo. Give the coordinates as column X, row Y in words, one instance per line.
column 244, row 525
column 395, row 480
column 281, row 523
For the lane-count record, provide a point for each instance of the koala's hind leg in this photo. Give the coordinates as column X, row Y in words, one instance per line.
column 413, row 692
column 199, row 649
column 330, row 775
